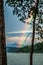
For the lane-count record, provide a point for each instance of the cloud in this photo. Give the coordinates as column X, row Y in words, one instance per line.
column 19, row 32
column 19, row 40
column 23, row 31
column 11, row 39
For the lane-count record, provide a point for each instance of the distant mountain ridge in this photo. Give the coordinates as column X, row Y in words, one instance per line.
column 38, row 48
column 12, row 45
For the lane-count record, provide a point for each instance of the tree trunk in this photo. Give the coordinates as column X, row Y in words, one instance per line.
column 2, row 36
column 33, row 36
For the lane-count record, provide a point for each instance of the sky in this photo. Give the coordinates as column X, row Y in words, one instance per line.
column 12, row 22
column 14, row 26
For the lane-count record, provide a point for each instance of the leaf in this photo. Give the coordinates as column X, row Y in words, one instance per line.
column 13, row 12
column 19, row 14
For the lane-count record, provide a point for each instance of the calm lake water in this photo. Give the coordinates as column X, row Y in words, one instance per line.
column 24, row 59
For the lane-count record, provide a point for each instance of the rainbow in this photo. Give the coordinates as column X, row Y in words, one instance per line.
column 21, row 42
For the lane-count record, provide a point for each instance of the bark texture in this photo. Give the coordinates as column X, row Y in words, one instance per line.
column 33, row 36
column 2, row 36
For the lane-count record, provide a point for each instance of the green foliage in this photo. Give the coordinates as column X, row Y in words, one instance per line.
column 38, row 48
column 22, row 8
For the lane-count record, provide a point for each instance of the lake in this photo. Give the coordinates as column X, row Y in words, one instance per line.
column 24, row 59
